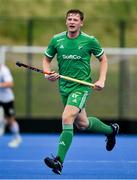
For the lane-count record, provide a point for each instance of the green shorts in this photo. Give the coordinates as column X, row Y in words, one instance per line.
column 75, row 98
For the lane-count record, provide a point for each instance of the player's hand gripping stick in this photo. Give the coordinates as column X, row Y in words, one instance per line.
column 19, row 64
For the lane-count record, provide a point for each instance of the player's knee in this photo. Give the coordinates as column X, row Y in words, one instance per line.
column 68, row 118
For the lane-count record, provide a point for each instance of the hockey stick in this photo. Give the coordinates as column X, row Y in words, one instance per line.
column 19, row 64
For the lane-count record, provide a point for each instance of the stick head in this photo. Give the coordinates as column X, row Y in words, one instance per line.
column 18, row 63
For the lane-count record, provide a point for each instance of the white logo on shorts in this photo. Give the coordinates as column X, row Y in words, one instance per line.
column 74, row 95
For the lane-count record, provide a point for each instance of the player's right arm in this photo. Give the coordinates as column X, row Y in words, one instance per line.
column 49, row 55
column 47, row 67
column 46, row 64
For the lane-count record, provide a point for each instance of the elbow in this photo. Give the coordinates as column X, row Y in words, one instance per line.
column 103, row 58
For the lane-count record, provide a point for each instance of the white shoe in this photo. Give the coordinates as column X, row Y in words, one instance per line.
column 15, row 142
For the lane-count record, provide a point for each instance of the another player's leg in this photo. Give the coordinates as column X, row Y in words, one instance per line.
column 2, row 121
column 13, row 124
column 14, row 128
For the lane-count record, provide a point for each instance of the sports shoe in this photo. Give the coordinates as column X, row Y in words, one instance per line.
column 15, row 142
column 111, row 138
column 54, row 163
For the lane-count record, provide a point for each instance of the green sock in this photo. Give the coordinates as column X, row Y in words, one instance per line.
column 65, row 141
column 95, row 125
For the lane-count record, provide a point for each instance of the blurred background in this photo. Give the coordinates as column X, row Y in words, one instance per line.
column 25, row 30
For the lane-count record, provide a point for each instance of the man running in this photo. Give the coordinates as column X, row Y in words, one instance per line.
column 74, row 49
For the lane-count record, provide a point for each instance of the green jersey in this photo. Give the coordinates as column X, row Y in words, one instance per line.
column 73, row 56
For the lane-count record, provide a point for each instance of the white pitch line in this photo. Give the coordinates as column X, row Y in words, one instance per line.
column 70, row 161
column 70, row 179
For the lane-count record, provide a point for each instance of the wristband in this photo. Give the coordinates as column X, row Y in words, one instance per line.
column 46, row 76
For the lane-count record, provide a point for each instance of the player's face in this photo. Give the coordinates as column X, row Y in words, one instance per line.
column 73, row 23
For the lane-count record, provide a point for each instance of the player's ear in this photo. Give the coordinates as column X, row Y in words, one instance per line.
column 81, row 23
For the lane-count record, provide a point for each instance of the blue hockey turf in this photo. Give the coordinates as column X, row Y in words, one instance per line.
column 86, row 159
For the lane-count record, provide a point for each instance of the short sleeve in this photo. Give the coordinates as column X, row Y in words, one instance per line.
column 51, row 49
column 96, row 48
column 7, row 77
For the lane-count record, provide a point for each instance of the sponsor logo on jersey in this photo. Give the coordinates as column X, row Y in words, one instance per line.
column 71, row 57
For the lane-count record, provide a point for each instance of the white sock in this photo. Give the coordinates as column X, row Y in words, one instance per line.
column 15, row 129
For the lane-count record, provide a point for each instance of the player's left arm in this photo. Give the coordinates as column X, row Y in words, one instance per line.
column 6, row 84
column 100, row 84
